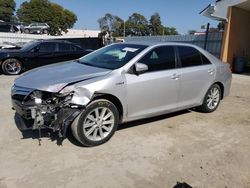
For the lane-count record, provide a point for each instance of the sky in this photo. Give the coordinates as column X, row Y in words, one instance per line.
column 181, row 14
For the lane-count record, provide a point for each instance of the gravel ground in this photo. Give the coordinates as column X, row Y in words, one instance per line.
column 202, row 150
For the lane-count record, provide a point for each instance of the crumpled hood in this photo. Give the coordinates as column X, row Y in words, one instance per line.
column 54, row 77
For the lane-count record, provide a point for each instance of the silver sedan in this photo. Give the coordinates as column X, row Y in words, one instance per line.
column 119, row 83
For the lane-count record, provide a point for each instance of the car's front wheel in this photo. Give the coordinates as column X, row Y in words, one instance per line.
column 12, row 66
column 212, row 99
column 97, row 124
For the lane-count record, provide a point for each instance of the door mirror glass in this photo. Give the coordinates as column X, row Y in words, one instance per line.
column 140, row 68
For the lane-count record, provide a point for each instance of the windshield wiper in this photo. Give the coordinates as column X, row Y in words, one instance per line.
column 89, row 64
column 78, row 61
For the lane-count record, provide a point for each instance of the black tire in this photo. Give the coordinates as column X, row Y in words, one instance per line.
column 80, row 132
column 27, row 31
column 12, row 30
column 45, row 31
column 18, row 66
column 205, row 105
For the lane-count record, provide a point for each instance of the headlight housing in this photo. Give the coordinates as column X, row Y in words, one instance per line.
column 81, row 95
column 37, row 96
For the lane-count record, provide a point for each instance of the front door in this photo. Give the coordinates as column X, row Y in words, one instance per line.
column 156, row 90
column 41, row 55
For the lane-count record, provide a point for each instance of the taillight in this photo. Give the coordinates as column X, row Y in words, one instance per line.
column 230, row 68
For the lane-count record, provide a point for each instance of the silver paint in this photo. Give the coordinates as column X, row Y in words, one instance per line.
column 141, row 96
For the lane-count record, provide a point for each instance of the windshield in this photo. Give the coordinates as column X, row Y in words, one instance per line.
column 29, row 45
column 113, row 56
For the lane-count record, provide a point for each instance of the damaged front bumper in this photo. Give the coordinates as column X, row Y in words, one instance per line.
column 37, row 110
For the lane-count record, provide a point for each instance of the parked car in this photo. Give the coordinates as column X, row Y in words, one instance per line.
column 119, row 83
column 38, row 53
column 38, row 28
column 8, row 27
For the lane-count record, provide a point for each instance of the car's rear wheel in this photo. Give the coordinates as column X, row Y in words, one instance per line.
column 12, row 66
column 45, row 31
column 97, row 124
column 12, row 30
column 211, row 100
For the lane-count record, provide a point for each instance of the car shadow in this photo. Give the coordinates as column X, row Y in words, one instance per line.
column 182, row 185
column 152, row 119
column 54, row 136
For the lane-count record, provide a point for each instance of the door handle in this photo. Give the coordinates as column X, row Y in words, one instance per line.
column 210, row 71
column 175, row 76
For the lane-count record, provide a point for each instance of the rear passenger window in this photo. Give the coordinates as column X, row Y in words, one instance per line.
column 205, row 60
column 75, row 48
column 189, row 56
column 47, row 47
column 160, row 58
column 64, row 47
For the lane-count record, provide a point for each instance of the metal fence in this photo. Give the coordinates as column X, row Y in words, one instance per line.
column 214, row 41
column 20, row 39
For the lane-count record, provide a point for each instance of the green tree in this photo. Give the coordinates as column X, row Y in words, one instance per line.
column 137, row 25
column 156, row 27
column 192, row 32
column 119, row 27
column 7, row 9
column 221, row 25
column 58, row 18
column 170, row 31
column 111, row 24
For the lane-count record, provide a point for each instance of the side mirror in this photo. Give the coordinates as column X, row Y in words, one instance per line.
column 140, row 68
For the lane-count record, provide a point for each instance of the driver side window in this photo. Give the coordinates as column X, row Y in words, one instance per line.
column 160, row 58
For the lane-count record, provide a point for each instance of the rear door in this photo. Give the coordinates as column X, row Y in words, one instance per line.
column 63, row 53
column 197, row 75
column 33, row 27
column 68, row 52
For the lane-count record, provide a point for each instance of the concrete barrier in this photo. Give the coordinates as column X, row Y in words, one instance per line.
column 24, row 38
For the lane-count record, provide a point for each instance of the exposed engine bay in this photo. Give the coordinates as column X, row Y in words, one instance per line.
column 41, row 109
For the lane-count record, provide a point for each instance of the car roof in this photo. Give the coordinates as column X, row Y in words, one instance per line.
column 54, row 40
column 152, row 43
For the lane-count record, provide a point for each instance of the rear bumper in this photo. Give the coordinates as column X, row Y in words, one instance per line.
column 227, row 85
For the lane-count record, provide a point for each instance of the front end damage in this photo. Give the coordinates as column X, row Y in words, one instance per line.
column 41, row 109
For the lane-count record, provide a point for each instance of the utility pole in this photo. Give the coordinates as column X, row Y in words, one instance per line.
column 124, row 29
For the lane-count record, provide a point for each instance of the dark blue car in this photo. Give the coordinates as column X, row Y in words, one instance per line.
column 38, row 53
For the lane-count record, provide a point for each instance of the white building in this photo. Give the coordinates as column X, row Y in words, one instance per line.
column 82, row 33
column 236, row 15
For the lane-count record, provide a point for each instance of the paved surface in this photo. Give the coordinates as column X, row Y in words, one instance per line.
column 203, row 150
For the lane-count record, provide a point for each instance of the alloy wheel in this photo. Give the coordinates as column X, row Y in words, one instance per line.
column 98, row 124
column 12, row 66
column 213, row 98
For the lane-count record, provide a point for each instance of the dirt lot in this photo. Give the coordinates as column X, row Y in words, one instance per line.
column 203, row 150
